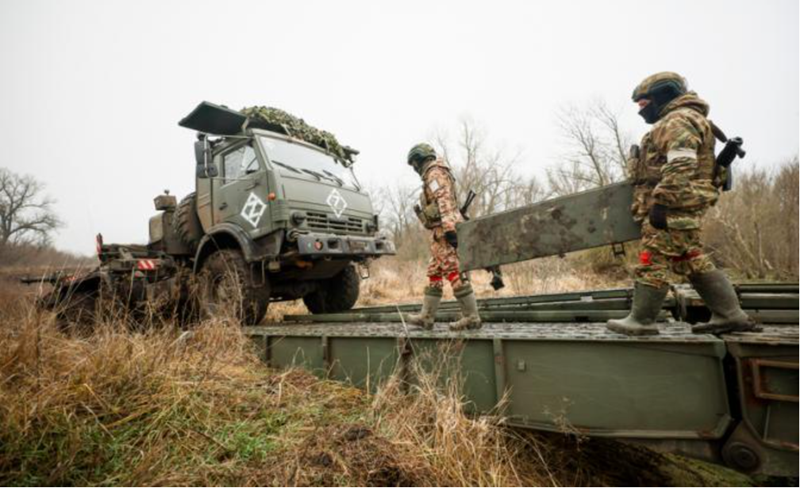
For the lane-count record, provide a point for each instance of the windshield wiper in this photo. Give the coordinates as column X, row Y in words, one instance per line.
column 313, row 173
column 319, row 176
column 338, row 180
column 287, row 167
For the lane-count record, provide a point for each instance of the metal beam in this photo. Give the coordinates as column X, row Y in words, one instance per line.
column 594, row 218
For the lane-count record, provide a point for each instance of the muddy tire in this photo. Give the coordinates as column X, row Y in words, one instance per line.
column 186, row 224
column 337, row 294
column 227, row 289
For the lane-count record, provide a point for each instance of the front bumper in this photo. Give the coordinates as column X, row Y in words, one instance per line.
column 329, row 245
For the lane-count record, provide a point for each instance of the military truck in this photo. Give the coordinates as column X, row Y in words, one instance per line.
column 277, row 214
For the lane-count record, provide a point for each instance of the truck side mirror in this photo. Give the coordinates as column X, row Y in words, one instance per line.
column 200, row 150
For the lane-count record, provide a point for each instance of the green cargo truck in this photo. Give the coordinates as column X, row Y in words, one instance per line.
column 277, row 214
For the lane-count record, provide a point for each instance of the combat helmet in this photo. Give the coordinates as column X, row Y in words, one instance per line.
column 660, row 88
column 419, row 154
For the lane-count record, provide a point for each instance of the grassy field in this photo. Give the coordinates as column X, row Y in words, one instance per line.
column 166, row 406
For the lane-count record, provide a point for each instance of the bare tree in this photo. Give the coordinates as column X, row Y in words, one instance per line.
column 596, row 149
column 489, row 171
column 397, row 208
column 754, row 228
column 26, row 215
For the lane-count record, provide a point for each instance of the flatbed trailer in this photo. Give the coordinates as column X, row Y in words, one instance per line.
column 732, row 400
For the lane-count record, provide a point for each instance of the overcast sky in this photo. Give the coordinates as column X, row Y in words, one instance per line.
column 91, row 91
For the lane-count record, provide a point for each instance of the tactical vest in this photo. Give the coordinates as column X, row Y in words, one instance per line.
column 645, row 167
column 428, row 212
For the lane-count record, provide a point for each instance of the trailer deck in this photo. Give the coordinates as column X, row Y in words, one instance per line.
column 731, row 399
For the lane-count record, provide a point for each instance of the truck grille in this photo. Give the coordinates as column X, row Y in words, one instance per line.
column 321, row 221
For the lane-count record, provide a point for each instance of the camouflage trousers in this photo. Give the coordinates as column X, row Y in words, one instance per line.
column 679, row 251
column 443, row 263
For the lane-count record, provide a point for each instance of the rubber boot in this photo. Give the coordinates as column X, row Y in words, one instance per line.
column 430, row 304
column 726, row 314
column 469, row 309
column 644, row 312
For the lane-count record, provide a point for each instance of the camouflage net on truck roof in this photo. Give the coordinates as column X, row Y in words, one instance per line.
column 282, row 121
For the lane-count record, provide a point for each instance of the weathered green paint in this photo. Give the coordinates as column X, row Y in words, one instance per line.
column 586, row 296
column 287, row 352
column 584, row 220
column 766, row 304
column 626, row 390
column 767, row 380
column 364, row 363
column 486, row 316
column 599, row 383
column 669, row 391
column 766, row 287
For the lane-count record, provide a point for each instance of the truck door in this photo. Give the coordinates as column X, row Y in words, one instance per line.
column 241, row 191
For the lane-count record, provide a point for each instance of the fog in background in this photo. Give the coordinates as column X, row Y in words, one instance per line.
column 91, row 91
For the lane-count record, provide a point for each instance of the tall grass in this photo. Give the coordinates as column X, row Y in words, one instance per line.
column 161, row 405
column 431, row 414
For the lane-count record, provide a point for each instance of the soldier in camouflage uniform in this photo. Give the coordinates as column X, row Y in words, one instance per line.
column 439, row 213
column 676, row 181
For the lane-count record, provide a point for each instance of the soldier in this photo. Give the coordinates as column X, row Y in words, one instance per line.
column 676, row 181
column 439, row 212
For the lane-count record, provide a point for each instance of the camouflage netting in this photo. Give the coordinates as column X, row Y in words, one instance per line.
column 275, row 118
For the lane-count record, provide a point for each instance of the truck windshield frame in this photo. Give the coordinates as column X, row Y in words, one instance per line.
column 297, row 160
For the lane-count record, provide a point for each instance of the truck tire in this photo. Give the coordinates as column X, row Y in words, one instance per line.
column 186, row 224
column 227, row 289
column 336, row 294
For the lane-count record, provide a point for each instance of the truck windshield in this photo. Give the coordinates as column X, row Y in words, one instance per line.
column 298, row 160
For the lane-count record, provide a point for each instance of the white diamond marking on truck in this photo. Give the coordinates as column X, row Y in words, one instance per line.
column 337, row 203
column 253, row 209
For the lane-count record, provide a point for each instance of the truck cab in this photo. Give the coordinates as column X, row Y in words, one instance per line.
column 290, row 212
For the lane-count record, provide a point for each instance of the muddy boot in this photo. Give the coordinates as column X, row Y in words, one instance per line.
column 469, row 309
column 430, row 304
column 726, row 314
column 644, row 312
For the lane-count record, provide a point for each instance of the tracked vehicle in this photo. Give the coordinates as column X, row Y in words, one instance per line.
column 277, row 214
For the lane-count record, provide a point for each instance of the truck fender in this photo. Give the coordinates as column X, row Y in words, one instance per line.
column 228, row 236
column 223, row 236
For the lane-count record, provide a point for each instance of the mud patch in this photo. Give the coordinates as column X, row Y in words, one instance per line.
column 355, row 455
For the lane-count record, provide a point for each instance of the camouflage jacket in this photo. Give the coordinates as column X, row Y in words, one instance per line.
column 675, row 166
column 440, row 210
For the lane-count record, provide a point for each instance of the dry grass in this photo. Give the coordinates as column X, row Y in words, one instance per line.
column 429, row 416
column 165, row 406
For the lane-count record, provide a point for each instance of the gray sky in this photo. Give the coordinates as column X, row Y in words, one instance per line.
column 91, row 91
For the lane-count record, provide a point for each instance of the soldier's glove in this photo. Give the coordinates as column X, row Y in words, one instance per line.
column 658, row 216
column 452, row 238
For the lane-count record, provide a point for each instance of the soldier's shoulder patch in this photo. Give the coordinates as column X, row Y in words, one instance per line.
column 434, row 185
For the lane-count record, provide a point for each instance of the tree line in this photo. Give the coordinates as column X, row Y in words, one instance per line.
column 752, row 230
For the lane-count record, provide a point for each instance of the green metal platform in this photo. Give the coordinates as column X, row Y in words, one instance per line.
column 547, row 362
